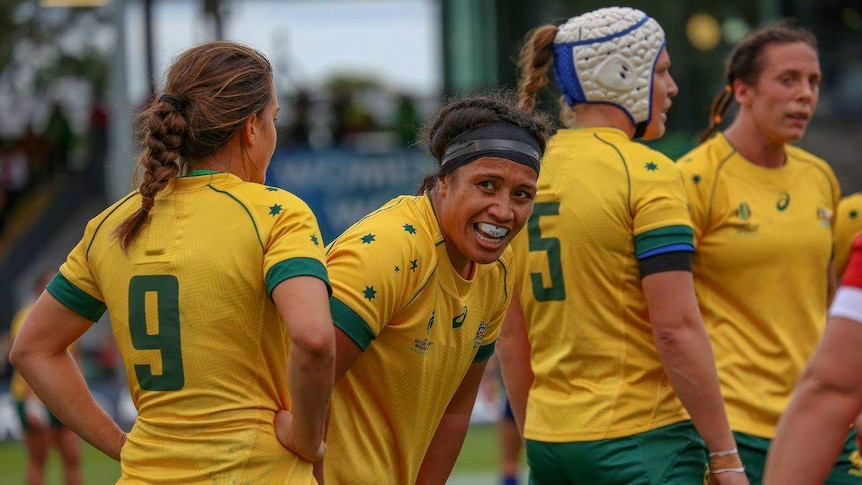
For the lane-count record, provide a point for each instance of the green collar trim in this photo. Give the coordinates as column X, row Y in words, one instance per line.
column 200, row 171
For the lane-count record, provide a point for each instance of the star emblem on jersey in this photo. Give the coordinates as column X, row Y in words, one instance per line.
column 696, row 179
column 414, row 264
column 459, row 319
column 398, row 269
column 369, row 293
column 368, row 238
column 314, row 240
column 409, row 228
column 651, row 166
column 271, row 189
column 275, row 210
column 854, row 214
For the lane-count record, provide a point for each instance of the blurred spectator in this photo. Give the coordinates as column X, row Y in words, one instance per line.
column 14, row 173
column 60, row 137
column 299, row 130
column 407, row 120
column 97, row 144
column 35, row 148
column 41, row 428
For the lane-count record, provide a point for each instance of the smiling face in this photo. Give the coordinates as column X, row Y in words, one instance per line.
column 480, row 207
column 663, row 89
column 784, row 96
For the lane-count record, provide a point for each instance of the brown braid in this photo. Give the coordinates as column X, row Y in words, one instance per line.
column 716, row 111
column 212, row 90
column 463, row 115
column 746, row 62
column 536, row 55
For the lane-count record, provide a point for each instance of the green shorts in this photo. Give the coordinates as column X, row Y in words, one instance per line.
column 673, row 454
column 752, row 450
column 22, row 416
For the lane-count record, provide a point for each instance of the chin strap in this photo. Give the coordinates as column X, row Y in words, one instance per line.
column 640, row 129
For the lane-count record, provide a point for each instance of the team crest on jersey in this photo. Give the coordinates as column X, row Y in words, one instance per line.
column 743, row 211
column 825, row 216
column 744, row 226
column 480, row 334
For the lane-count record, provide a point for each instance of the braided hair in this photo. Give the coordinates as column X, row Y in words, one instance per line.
column 746, row 62
column 211, row 90
column 463, row 115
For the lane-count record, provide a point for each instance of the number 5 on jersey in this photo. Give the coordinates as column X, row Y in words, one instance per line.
column 166, row 339
column 550, row 245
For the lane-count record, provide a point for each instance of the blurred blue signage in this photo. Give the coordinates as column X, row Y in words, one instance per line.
column 342, row 186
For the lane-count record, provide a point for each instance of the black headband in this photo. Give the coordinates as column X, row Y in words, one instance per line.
column 501, row 140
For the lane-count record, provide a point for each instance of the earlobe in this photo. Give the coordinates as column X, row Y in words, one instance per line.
column 248, row 129
column 740, row 92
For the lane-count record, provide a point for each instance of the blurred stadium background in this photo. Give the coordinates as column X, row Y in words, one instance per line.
column 356, row 79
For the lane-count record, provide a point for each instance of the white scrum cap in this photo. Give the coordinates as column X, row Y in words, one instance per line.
column 608, row 56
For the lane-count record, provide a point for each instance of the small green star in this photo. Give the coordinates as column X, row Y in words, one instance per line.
column 651, row 166
column 696, row 179
column 414, row 264
column 368, row 238
column 275, row 210
column 854, row 214
column 409, row 228
column 398, row 269
column 271, row 189
column 369, row 293
column 314, row 240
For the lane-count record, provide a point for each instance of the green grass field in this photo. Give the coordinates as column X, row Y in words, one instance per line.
column 479, row 454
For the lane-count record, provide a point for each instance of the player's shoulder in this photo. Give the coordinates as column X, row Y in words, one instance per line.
column 852, row 200
column 254, row 194
column 116, row 212
column 405, row 223
column 707, row 157
column 799, row 154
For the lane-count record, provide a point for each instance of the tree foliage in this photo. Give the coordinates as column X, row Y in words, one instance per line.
column 42, row 49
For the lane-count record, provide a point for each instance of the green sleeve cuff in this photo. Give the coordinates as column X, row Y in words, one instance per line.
column 664, row 239
column 349, row 322
column 290, row 268
column 76, row 299
column 485, row 352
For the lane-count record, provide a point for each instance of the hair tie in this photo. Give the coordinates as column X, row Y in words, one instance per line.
column 147, row 203
column 716, row 119
column 173, row 101
column 728, row 88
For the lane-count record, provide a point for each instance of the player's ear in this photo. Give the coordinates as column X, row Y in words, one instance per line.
column 249, row 130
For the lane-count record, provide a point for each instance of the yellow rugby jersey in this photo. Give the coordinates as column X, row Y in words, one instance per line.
column 203, row 344
column 848, row 225
column 420, row 326
column 603, row 203
column 764, row 243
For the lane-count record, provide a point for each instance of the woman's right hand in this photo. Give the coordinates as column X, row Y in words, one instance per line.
column 285, row 432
